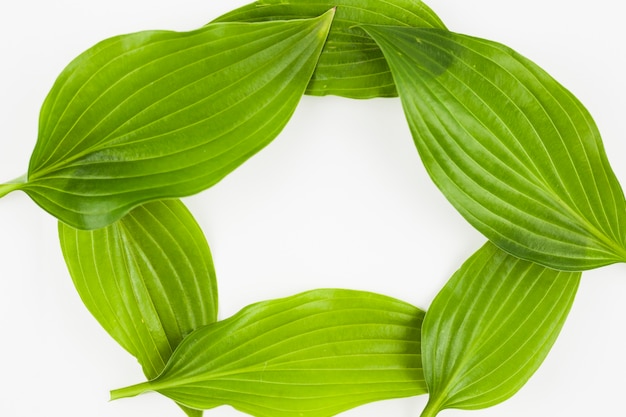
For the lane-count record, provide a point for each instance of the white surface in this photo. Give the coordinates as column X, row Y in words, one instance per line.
column 340, row 199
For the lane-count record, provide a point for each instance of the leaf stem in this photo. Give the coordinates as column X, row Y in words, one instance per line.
column 131, row 391
column 13, row 185
column 432, row 408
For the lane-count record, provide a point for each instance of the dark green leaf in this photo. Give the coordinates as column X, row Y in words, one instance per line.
column 165, row 114
column 351, row 64
column 311, row 355
column 514, row 151
column 148, row 279
column 490, row 328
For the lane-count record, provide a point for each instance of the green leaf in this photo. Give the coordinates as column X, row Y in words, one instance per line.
column 514, row 151
column 351, row 64
column 490, row 328
column 148, row 279
column 163, row 114
column 311, row 355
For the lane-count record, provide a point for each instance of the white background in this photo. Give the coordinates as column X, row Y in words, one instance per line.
column 339, row 199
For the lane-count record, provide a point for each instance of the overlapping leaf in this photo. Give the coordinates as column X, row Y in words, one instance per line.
column 514, row 151
column 148, row 279
column 490, row 328
column 351, row 64
column 165, row 114
column 311, row 355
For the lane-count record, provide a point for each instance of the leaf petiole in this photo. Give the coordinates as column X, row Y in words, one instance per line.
column 13, row 185
column 432, row 408
column 131, row 391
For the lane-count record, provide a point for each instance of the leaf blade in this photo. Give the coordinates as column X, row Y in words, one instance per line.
column 313, row 354
column 148, row 279
column 351, row 65
column 515, row 152
column 490, row 328
column 162, row 114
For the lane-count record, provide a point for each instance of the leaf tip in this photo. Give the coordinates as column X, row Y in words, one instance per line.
column 329, row 16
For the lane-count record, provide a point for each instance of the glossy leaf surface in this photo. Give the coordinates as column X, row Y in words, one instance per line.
column 312, row 355
column 514, row 151
column 351, row 64
column 148, row 279
column 490, row 328
column 161, row 114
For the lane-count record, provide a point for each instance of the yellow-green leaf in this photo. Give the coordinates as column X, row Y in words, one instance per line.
column 490, row 327
column 314, row 354
column 148, row 279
